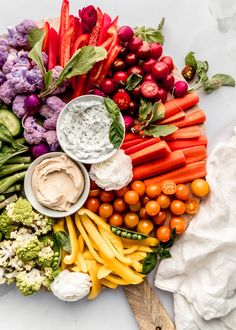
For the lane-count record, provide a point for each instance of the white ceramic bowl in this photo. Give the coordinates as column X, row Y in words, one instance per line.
column 61, row 118
column 43, row 209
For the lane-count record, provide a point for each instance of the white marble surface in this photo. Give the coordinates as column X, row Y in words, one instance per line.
column 207, row 27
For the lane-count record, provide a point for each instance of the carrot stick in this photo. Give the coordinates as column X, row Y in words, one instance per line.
column 131, row 136
column 176, row 105
column 183, row 174
column 173, row 160
column 194, row 118
column 195, row 154
column 190, row 132
column 142, row 145
column 178, row 116
column 132, row 143
column 158, row 150
column 183, row 144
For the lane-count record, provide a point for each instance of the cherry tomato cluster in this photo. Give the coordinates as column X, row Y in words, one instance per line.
column 158, row 207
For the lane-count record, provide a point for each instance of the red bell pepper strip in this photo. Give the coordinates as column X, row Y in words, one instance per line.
column 78, row 27
column 104, row 28
column 93, row 76
column 107, row 44
column 64, row 26
column 115, row 22
column 53, row 46
column 66, row 44
column 96, row 30
column 80, row 86
column 81, row 41
column 46, row 29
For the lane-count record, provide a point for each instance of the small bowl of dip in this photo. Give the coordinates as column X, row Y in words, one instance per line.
column 83, row 130
column 56, row 185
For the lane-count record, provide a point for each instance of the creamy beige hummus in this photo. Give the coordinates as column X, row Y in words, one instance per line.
column 57, row 183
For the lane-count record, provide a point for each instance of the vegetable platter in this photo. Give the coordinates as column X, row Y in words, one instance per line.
column 110, row 98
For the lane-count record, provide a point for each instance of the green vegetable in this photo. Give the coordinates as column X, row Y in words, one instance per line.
column 29, row 249
column 5, row 136
column 48, row 79
column 63, row 240
column 116, row 133
column 22, row 212
column 10, row 120
column 160, row 130
column 16, row 187
column 12, row 168
column 7, row 201
column 133, row 81
column 203, row 81
column 2, row 197
column 6, row 224
column 151, row 34
column 9, row 181
column 19, row 159
column 126, row 233
column 6, row 157
column 29, row 282
column 35, row 38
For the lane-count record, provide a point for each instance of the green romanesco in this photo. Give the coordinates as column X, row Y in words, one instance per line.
column 29, row 282
column 29, row 249
column 49, row 275
column 45, row 257
column 21, row 212
column 42, row 224
column 6, row 225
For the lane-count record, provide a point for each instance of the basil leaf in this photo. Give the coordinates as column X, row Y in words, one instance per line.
column 48, row 78
column 191, row 60
column 149, row 263
column 36, row 52
column 160, row 130
column 151, row 34
column 63, row 240
column 133, row 81
column 145, row 109
column 34, row 36
column 116, row 132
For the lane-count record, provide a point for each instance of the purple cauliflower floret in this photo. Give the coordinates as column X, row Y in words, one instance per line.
column 7, row 93
column 16, row 60
column 46, row 111
column 33, row 132
column 18, row 36
column 55, row 73
column 55, row 103
column 4, row 42
column 51, row 123
column 18, row 106
column 51, row 139
column 34, row 77
column 2, row 78
column 17, row 80
column 3, row 56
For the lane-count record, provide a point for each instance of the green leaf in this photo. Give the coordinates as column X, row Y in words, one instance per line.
column 34, row 36
column 145, row 109
column 149, row 263
column 151, row 34
column 36, row 52
column 161, row 24
column 116, row 132
column 48, row 78
column 133, row 81
column 191, row 60
column 160, row 130
column 6, row 136
column 63, row 240
column 158, row 111
column 225, row 79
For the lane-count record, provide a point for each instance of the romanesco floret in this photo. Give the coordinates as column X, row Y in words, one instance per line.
column 30, row 282
column 45, row 257
column 21, row 212
column 6, row 225
column 49, row 275
column 29, row 249
column 42, row 224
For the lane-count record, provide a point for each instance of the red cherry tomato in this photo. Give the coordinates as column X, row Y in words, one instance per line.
column 135, row 69
column 156, row 50
column 160, row 70
column 119, row 205
column 120, row 193
column 168, row 82
column 144, row 51
column 105, row 210
column 149, row 89
column 139, row 187
column 131, row 59
column 160, row 218
column 148, row 64
column 135, row 43
column 120, row 78
column 92, row 204
column 94, row 192
column 108, row 86
column 168, row 61
column 116, row 220
column 162, row 95
column 106, row 196
column 122, row 100
column 148, row 77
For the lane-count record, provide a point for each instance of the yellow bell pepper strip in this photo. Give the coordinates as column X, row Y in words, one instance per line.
column 98, row 239
column 115, row 240
column 81, row 262
column 88, row 255
column 131, row 249
column 150, row 241
column 70, row 259
column 63, row 254
column 98, row 220
column 144, row 249
column 86, row 239
column 137, row 266
column 108, row 284
column 76, row 269
column 96, row 284
column 116, row 280
column 59, row 225
column 103, row 272
column 137, row 256
column 81, row 244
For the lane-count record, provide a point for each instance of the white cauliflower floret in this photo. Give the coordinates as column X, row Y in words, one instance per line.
column 6, row 253
column 2, row 279
column 30, row 282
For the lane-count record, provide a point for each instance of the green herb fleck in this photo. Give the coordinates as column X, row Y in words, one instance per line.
column 133, row 81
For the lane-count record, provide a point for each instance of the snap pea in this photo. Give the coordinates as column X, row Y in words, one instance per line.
column 126, row 233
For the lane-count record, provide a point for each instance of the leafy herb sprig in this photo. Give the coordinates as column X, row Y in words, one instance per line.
column 116, row 132
column 203, row 81
column 151, row 34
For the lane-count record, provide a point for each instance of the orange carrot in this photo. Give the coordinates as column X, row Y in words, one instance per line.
column 183, row 174
column 195, row 154
column 131, row 136
column 132, row 143
column 173, row 160
column 158, row 150
column 176, row 105
column 190, row 132
column 142, row 145
column 194, row 118
column 178, row 116
column 183, row 144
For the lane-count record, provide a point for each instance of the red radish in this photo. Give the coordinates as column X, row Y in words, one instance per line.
column 147, row 65
column 144, row 51
column 148, row 77
column 98, row 92
column 135, row 43
column 135, row 69
column 125, row 33
column 133, row 107
column 149, row 89
column 108, row 86
column 122, row 100
column 120, row 78
column 168, row 82
column 160, row 70
column 168, row 61
column 180, row 88
column 118, row 64
column 123, row 51
column 162, row 94
column 156, row 50
column 131, row 59
column 129, row 121
column 32, row 104
column 39, row 150
column 136, row 92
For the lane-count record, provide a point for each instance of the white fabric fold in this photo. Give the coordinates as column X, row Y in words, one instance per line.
column 202, row 270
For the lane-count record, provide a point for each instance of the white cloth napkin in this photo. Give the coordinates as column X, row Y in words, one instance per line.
column 202, row 270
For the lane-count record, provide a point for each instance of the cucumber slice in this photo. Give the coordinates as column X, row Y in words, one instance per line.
column 9, row 119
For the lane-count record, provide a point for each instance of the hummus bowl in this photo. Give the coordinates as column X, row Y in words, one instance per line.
column 32, row 195
column 83, row 130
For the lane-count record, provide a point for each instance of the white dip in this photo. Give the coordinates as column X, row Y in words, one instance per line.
column 84, row 130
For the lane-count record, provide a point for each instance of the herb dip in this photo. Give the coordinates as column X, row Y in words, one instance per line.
column 84, row 130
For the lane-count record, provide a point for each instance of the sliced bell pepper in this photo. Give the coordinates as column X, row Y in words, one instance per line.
column 46, row 29
column 53, row 46
column 107, row 44
column 81, row 41
column 96, row 30
column 64, row 26
column 105, row 26
column 74, row 34
column 93, row 76
column 65, row 47
column 80, row 86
